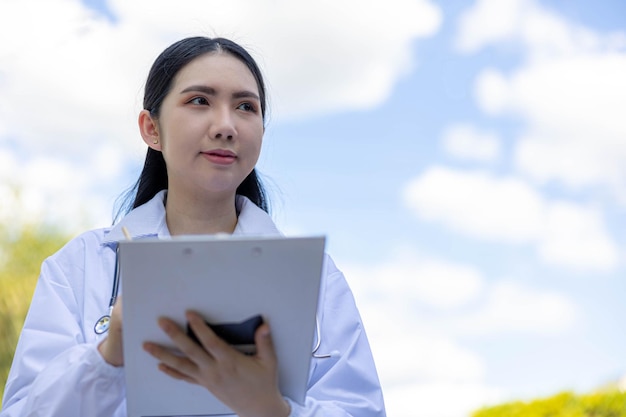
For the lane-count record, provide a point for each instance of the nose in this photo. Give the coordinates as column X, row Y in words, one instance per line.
column 223, row 126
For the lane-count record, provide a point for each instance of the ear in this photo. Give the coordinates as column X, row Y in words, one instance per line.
column 149, row 129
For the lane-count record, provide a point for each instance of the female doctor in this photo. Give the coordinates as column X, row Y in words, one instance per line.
column 203, row 122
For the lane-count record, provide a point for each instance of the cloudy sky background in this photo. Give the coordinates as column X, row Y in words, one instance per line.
column 467, row 160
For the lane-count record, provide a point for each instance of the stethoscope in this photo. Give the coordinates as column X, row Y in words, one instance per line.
column 102, row 325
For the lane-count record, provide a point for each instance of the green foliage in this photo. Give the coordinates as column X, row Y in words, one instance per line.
column 566, row 404
column 21, row 255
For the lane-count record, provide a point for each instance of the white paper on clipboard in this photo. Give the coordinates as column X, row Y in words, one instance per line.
column 225, row 280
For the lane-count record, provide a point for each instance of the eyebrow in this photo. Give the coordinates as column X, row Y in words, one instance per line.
column 211, row 91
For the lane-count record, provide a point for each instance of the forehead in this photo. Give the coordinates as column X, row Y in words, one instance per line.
column 216, row 69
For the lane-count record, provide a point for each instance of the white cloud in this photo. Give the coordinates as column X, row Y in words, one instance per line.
column 396, row 287
column 466, row 142
column 506, row 310
column 81, row 75
column 71, row 80
column 477, row 204
column 396, row 336
column 319, row 57
column 413, row 277
column 411, row 351
column 570, row 230
column 491, row 91
column 8, row 168
column 509, row 210
column 397, row 330
column 570, row 91
column 576, row 128
column 489, row 20
column 443, row 399
column 525, row 23
column 50, row 191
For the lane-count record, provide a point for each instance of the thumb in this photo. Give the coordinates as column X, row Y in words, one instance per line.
column 265, row 344
column 116, row 317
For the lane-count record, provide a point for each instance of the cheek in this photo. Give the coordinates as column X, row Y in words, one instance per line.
column 259, row 144
column 256, row 141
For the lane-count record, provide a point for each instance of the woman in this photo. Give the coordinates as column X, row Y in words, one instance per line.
column 203, row 121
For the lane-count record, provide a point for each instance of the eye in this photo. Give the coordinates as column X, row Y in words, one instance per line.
column 200, row 101
column 248, row 107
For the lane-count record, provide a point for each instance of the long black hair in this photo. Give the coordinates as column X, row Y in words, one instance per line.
column 153, row 177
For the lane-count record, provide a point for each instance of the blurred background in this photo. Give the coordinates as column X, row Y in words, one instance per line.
column 466, row 159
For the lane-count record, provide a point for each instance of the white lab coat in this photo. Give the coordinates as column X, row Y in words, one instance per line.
column 57, row 370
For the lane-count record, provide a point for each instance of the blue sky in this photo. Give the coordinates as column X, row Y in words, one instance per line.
column 465, row 158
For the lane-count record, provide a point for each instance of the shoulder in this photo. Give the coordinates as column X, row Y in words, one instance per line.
column 334, row 281
column 78, row 252
column 90, row 239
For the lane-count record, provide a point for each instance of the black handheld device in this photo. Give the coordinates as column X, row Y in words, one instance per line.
column 239, row 335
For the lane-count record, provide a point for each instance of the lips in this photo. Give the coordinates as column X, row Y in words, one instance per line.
column 220, row 156
column 222, row 153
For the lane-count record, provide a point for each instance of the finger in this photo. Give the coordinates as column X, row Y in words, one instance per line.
column 115, row 325
column 265, row 344
column 111, row 348
column 179, row 363
column 118, row 304
column 175, row 374
column 183, row 342
column 214, row 345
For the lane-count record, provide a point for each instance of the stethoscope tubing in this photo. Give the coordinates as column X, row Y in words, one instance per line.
column 102, row 325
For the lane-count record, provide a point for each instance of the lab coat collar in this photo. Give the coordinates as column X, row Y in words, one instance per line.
column 144, row 221
column 148, row 220
column 251, row 220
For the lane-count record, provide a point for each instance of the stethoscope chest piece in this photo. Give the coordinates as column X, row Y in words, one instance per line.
column 102, row 325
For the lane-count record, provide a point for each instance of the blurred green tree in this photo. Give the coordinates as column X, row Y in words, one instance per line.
column 611, row 403
column 21, row 254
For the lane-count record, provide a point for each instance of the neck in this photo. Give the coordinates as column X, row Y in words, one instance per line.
column 195, row 216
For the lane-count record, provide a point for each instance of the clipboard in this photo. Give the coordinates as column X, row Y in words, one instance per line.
column 226, row 280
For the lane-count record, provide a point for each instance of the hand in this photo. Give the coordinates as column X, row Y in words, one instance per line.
column 246, row 384
column 111, row 347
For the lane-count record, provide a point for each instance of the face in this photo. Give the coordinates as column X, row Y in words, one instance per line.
column 210, row 126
